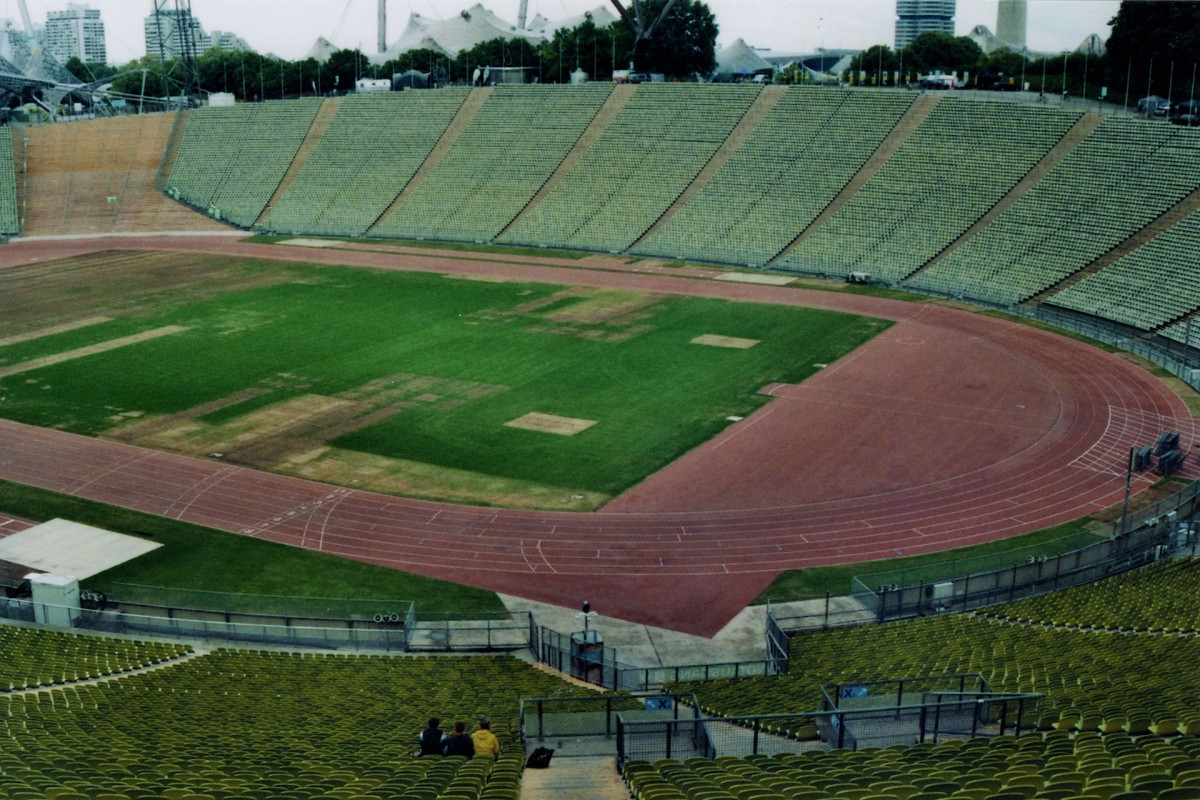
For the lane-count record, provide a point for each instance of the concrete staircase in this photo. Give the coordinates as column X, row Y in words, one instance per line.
column 320, row 124
column 1078, row 132
column 466, row 113
column 767, row 99
column 615, row 102
column 1164, row 222
column 582, row 777
column 905, row 126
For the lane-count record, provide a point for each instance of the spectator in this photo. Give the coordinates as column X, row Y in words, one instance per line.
column 432, row 739
column 484, row 740
column 459, row 743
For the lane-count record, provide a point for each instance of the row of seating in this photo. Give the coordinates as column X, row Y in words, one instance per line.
column 1115, row 182
column 10, row 218
column 1097, row 680
column 1149, row 287
column 794, row 162
column 507, row 152
column 34, row 657
column 1157, row 599
column 372, row 148
column 231, row 159
column 959, row 163
column 1053, row 767
column 638, row 166
column 239, row 724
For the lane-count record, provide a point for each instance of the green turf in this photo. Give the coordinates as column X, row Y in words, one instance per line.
column 801, row 584
column 528, row 252
column 464, row 356
column 195, row 557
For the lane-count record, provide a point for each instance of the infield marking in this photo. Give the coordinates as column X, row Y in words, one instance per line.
column 53, row 329
column 550, row 423
column 713, row 340
column 100, row 347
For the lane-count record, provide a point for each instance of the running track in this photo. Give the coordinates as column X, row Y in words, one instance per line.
column 951, row 428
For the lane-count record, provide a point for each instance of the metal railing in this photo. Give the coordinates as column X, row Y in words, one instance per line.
column 1152, row 534
column 600, row 666
column 932, row 717
column 365, row 635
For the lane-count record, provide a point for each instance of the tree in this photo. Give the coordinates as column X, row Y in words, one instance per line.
column 932, row 51
column 146, row 72
column 343, row 68
column 1147, row 39
column 685, row 42
column 873, row 59
column 597, row 51
column 91, row 72
column 497, row 53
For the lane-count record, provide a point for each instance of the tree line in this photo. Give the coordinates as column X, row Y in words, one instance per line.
column 1154, row 49
column 684, row 46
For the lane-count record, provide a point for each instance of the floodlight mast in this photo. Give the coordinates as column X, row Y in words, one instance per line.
column 186, row 83
column 637, row 22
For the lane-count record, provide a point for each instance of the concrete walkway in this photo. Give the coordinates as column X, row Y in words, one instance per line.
column 742, row 639
column 589, row 778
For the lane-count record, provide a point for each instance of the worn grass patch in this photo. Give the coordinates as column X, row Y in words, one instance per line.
column 550, row 423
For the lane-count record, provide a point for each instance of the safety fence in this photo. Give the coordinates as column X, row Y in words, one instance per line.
column 211, row 626
column 336, row 623
column 588, row 659
column 931, row 717
column 1161, row 531
column 1180, row 358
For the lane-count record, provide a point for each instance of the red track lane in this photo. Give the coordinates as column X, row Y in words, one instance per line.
column 949, row 429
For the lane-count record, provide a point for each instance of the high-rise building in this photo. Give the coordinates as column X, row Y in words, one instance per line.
column 1011, row 18
column 77, row 32
column 169, row 31
column 914, row 17
column 228, row 40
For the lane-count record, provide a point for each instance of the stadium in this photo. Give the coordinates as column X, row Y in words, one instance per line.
column 947, row 246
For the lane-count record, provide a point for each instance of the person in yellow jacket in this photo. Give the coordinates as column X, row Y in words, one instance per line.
column 484, row 740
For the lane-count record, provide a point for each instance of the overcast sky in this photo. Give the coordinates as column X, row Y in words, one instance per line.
column 288, row 28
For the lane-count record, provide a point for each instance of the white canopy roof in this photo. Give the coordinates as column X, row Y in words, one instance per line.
column 71, row 550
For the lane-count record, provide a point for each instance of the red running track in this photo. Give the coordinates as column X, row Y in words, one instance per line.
column 951, row 428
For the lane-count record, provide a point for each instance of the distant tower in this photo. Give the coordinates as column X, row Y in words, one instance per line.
column 1010, row 22
column 382, row 26
column 915, row 17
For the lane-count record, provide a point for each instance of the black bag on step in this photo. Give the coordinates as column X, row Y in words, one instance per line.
column 539, row 758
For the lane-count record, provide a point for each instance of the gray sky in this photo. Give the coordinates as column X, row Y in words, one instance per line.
column 288, row 28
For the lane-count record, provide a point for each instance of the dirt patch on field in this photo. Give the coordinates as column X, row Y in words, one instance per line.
column 599, row 315
column 81, row 352
column 616, row 307
column 713, row 340
column 550, row 423
column 429, row 482
column 71, row 291
column 65, row 327
column 284, row 419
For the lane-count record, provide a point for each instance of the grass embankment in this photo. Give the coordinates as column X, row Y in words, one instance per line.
column 800, row 584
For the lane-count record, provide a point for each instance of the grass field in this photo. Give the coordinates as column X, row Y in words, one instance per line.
column 398, row 382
